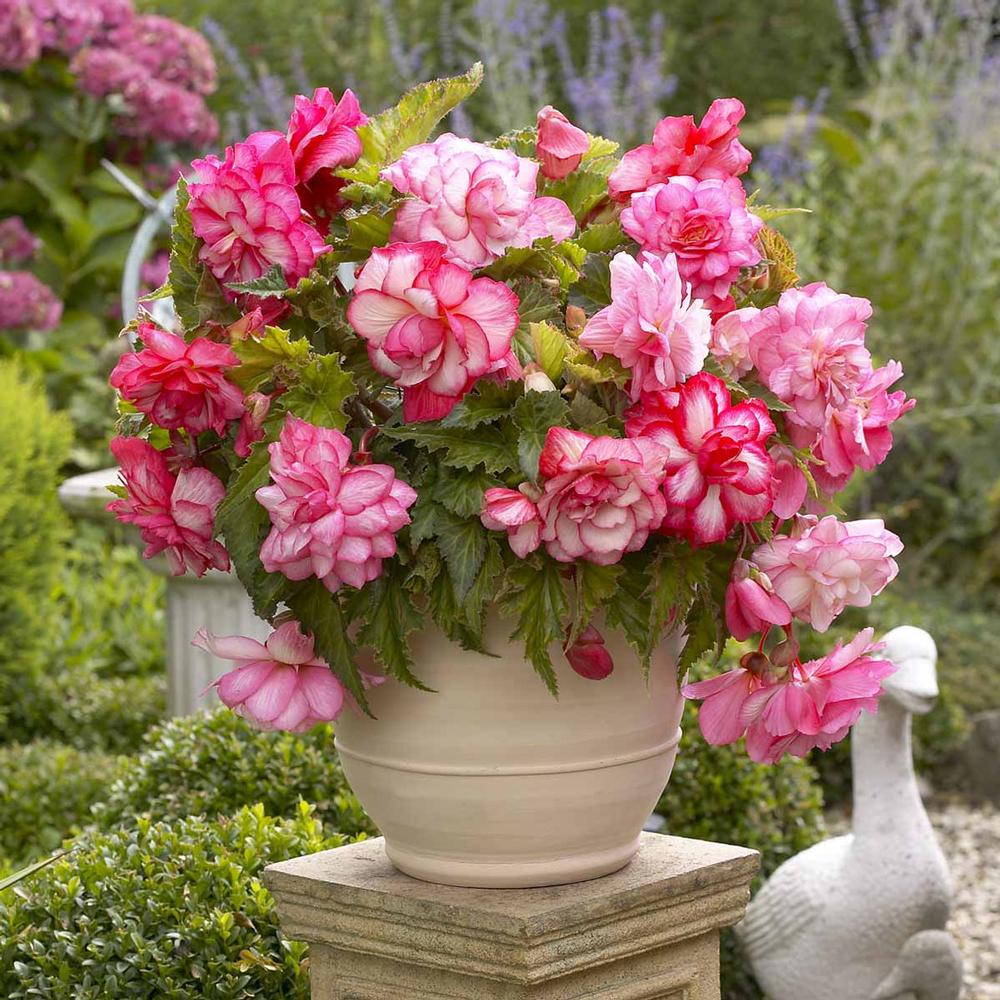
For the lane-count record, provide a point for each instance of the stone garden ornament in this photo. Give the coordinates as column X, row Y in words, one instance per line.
column 862, row 916
column 560, row 420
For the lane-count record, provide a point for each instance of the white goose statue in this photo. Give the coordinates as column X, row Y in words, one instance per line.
column 835, row 922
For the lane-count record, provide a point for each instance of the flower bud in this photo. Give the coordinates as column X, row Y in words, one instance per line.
column 589, row 657
column 560, row 145
column 535, row 380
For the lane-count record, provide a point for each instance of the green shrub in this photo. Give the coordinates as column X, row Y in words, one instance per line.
column 46, row 791
column 213, row 763
column 160, row 911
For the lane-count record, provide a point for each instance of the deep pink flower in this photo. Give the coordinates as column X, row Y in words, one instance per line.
column 330, row 519
column 720, row 716
column 178, row 384
column 431, row 326
column 560, row 144
column 730, row 344
column 599, row 499
column 681, row 148
column 751, row 603
column 718, row 471
column 706, row 224
column 651, row 326
column 827, row 565
column 790, row 484
column 589, row 657
column 251, row 428
column 20, row 41
column 27, row 303
column 102, row 71
column 280, row 683
column 166, row 112
column 476, row 200
column 66, row 25
column 322, row 132
column 17, row 243
column 246, row 210
column 809, row 350
column 167, row 51
column 175, row 515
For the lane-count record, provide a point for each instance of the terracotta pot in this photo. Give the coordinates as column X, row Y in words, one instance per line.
column 492, row 782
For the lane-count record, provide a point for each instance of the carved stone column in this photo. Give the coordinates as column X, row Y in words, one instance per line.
column 648, row 932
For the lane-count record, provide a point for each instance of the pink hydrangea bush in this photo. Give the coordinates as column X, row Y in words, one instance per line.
column 533, row 392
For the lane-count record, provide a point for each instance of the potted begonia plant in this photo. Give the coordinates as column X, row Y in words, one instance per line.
column 448, row 406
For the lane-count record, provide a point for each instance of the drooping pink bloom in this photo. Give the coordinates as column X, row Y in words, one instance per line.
column 718, row 471
column 246, row 210
column 476, row 200
column 827, row 565
column 329, row 518
column 589, row 656
column 790, row 484
column 17, row 243
column 809, row 350
column 175, row 514
column 599, row 499
column 278, row 684
column 431, row 326
column 20, row 41
column 681, row 148
column 817, row 704
column 720, row 716
column 179, row 384
column 251, row 429
column 27, row 303
column 751, row 603
column 652, row 325
column 322, row 132
column 730, row 344
column 706, row 224
column 560, row 144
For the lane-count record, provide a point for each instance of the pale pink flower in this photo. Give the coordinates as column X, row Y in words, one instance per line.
column 27, row 303
column 790, row 484
column 246, row 210
column 589, row 657
column 809, row 350
column 330, row 519
column 560, row 144
column 516, row 512
column 174, row 514
column 431, row 326
column 720, row 716
column 827, row 565
column 179, row 384
column 718, row 471
column 730, row 344
column 751, row 603
column 652, row 325
column 681, row 148
column 706, row 224
column 278, row 684
column 476, row 200
column 322, row 132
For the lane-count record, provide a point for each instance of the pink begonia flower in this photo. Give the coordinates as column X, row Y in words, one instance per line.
column 330, row 519
column 560, row 144
column 681, row 148
column 718, row 471
column 280, row 683
column 174, row 514
column 20, row 41
column 179, row 384
column 706, row 224
column 589, row 657
column 730, row 344
column 476, row 200
column 599, row 499
column 809, row 350
column 246, row 210
column 790, row 484
column 431, row 326
column 322, row 132
column 251, row 429
column 652, row 325
column 17, row 243
column 818, row 704
column 751, row 603
column 27, row 303
column 720, row 716
column 827, row 565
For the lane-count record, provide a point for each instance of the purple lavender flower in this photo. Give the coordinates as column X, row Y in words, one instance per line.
column 26, row 303
column 787, row 161
column 17, row 243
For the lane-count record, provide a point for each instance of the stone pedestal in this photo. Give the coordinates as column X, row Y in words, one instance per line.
column 648, row 932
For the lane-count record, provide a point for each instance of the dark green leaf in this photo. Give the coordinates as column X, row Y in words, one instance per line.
column 602, row 237
column 487, row 403
column 533, row 415
column 320, row 393
column 588, row 416
column 582, row 190
column 389, row 617
column 267, row 285
column 462, row 492
column 594, row 587
column 488, row 446
column 463, row 546
column 593, row 290
column 483, row 591
column 629, row 608
column 258, row 358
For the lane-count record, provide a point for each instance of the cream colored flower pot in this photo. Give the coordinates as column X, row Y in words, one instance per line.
column 492, row 782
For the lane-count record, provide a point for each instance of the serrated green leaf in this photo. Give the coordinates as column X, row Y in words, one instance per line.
column 538, row 304
column 267, row 285
column 487, row 403
column 388, row 617
column 587, row 415
column 584, row 367
column 629, row 608
column 703, row 628
column 533, row 415
column 462, row 492
column 463, row 546
column 593, row 290
column 259, row 358
column 483, row 591
column 319, row 395
column 780, row 259
column 599, row 148
column 367, row 229
column 581, row 190
column 449, row 615
column 768, row 212
column 489, row 446
column 602, row 237
column 594, row 586
column 550, row 346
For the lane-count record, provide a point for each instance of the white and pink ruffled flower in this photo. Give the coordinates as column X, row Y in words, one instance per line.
column 476, row 200
column 730, row 344
column 247, row 211
column 706, row 224
column 516, row 512
column 652, row 326
column 718, row 471
column 431, row 326
column 681, row 148
column 329, row 519
column 827, row 565
column 560, row 144
column 277, row 684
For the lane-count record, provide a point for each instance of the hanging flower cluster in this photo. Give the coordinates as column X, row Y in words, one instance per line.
column 419, row 378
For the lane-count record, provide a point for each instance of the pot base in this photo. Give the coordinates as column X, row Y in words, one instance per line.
column 510, row 875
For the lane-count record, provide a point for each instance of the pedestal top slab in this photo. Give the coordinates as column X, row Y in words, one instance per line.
column 353, row 899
